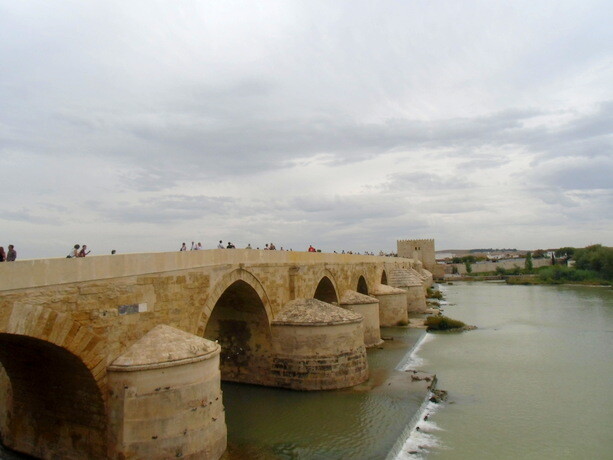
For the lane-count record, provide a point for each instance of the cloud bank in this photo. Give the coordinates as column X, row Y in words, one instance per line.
column 346, row 125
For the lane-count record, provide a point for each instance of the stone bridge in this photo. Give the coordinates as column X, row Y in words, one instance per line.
column 121, row 356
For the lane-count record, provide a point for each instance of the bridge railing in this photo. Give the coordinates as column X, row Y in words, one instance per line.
column 44, row 272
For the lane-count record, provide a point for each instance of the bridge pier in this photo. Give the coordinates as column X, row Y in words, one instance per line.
column 165, row 398
column 368, row 307
column 318, row 346
column 392, row 305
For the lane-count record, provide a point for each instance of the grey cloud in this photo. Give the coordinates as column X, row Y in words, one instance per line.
column 417, row 181
column 31, row 216
column 348, row 209
column 591, row 174
column 168, row 209
column 256, row 145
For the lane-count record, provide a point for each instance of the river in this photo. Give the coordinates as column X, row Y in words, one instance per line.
column 533, row 382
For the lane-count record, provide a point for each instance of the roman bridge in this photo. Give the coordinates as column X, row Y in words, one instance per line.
column 121, row 356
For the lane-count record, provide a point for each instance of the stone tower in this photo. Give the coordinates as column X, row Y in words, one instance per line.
column 422, row 250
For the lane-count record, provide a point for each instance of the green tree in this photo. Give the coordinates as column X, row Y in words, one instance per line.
column 597, row 257
column 469, row 268
column 528, row 265
column 565, row 251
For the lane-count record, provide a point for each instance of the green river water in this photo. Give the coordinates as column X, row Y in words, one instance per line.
column 533, row 382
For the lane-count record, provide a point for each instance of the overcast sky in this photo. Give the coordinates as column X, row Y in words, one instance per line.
column 136, row 126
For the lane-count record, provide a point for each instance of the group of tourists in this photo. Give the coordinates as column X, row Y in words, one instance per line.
column 195, row 247
column 229, row 245
column 78, row 251
column 271, row 247
column 9, row 256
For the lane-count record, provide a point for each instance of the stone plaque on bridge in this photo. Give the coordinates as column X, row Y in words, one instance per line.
column 132, row 308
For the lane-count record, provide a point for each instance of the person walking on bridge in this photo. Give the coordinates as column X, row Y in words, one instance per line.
column 11, row 255
column 74, row 252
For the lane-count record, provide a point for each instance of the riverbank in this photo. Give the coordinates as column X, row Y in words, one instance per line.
column 524, row 280
column 535, row 280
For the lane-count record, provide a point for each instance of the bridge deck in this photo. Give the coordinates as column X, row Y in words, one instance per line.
column 32, row 273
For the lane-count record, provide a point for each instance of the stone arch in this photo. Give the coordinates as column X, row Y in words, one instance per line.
column 51, row 385
column 240, row 322
column 383, row 277
column 326, row 289
column 224, row 283
column 362, row 286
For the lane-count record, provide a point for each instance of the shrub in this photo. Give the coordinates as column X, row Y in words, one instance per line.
column 433, row 294
column 442, row 323
column 500, row 270
column 558, row 274
column 597, row 258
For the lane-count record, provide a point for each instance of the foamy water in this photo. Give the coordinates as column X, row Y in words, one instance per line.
column 412, row 360
column 422, row 435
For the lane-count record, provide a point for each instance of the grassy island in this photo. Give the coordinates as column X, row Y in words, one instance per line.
column 443, row 323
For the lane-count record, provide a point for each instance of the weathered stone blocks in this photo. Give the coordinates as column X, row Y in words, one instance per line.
column 368, row 307
column 410, row 281
column 392, row 305
column 318, row 346
column 165, row 398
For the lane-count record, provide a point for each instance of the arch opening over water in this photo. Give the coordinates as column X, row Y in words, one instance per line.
column 325, row 291
column 50, row 404
column 362, row 286
column 240, row 324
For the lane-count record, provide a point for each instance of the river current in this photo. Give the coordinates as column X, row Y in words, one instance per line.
column 533, row 382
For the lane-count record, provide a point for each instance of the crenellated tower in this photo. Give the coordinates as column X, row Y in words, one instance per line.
column 422, row 250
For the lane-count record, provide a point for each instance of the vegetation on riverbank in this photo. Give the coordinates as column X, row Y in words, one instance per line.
column 593, row 265
column 558, row 274
column 443, row 323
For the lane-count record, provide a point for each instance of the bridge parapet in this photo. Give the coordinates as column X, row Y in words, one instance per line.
column 24, row 274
